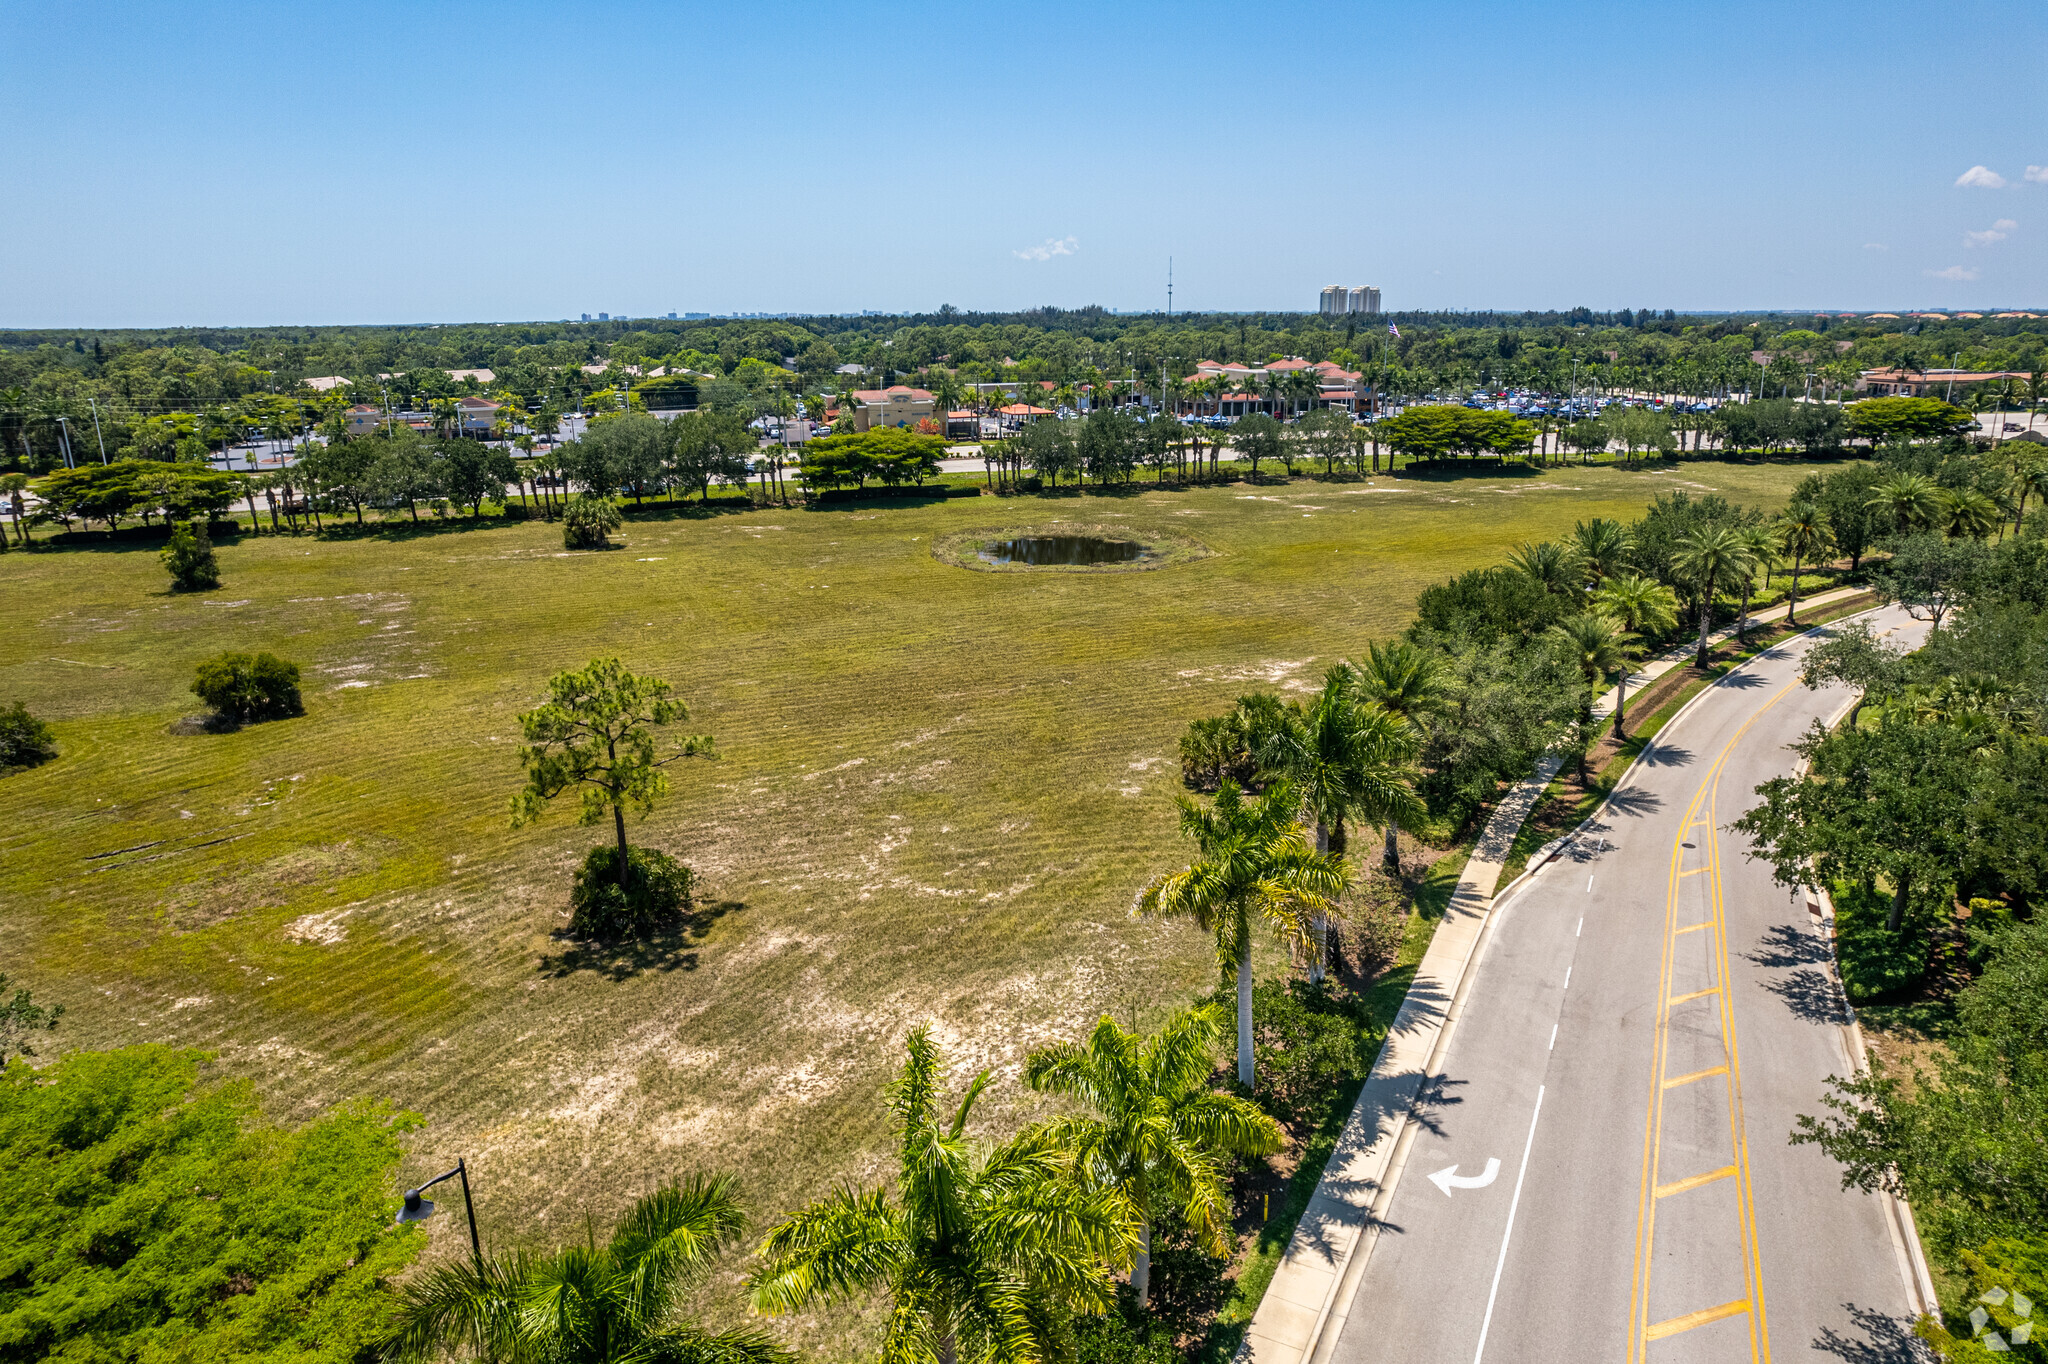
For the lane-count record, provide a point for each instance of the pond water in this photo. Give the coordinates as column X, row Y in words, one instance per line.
column 1063, row 550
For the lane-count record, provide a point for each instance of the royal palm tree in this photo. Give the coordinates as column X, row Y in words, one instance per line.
column 1406, row 682
column 1346, row 758
column 1602, row 547
column 1707, row 558
column 1159, row 1134
column 979, row 1250
column 1909, row 499
column 1252, row 863
column 1596, row 646
column 1804, row 538
column 1965, row 513
column 590, row 1303
column 1638, row 605
column 1762, row 546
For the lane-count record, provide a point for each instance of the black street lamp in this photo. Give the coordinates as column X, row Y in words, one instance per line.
column 419, row 1209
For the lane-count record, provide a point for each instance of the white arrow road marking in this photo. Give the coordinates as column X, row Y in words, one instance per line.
column 1448, row 1178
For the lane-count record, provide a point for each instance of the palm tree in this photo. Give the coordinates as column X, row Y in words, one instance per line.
column 1804, row 537
column 1965, row 512
column 1406, row 682
column 1709, row 557
column 1158, row 1130
column 1596, row 646
column 1346, row 758
column 1909, row 499
column 1638, row 605
column 1552, row 566
column 1602, row 547
column 589, row 1304
column 980, row 1251
column 13, row 486
column 2029, row 475
column 1763, row 554
column 1253, row 862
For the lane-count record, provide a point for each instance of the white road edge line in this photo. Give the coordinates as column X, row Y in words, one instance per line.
column 1486, row 1322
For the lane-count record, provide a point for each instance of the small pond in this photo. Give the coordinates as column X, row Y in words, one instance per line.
column 1064, row 550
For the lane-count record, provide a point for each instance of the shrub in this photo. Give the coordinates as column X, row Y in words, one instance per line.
column 189, row 557
column 589, row 520
column 515, row 511
column 24, row 740
column 247, row 687
column 1122, row 1337
column 657, row 887
column 1189, row 1285
column 191, row 1227
column 1305, row 1044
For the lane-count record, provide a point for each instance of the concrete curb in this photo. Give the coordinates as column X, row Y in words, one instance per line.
column 1905, row 1233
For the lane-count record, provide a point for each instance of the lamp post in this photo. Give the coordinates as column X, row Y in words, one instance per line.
column 419, row 1209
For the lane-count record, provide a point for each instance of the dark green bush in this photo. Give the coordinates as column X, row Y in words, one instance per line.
column 24, row 740
column 245, row 687
column 1305, row 1043
column 1189, row 1285
column 656, row 890
column 1122, row 1335
column 189, row 557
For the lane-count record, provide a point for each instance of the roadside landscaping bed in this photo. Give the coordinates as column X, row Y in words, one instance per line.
column 1567, row 801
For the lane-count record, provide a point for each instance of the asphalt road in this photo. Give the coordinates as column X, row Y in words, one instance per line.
column 1650, row 1013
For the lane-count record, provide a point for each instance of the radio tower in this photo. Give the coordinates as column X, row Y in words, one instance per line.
column 1169, row 286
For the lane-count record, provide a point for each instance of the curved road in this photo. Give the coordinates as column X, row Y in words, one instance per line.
column 1649, row 1014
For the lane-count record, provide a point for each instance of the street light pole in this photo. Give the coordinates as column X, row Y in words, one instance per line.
column 419, row 1209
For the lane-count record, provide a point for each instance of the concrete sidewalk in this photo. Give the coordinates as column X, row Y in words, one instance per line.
column 1303, row 1311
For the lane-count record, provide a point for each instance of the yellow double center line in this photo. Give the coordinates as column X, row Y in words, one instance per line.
column 1642, row 1330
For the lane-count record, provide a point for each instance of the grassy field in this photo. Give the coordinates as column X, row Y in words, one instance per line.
column 938, row 794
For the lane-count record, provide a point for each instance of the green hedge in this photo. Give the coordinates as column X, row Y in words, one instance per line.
column 884, row 491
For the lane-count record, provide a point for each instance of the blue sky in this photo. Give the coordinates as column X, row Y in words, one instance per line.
column 324, row 162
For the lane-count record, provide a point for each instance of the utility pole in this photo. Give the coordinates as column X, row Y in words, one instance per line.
column 64, row 441
column 1169, row 286
column 94, row 404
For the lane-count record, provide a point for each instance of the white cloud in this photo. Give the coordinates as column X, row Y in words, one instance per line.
column 1875, row 246
column 1054, row 246
column 1980, row 177
column 1954, row 272
column 2038, row 174
column 1997, row 232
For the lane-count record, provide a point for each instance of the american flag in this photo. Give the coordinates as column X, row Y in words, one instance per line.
column 1393, row 331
